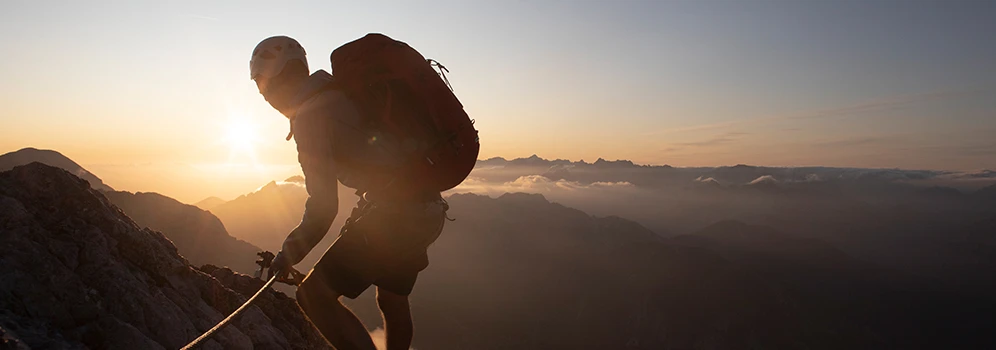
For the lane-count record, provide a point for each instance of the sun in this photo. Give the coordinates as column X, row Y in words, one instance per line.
column 241, row 137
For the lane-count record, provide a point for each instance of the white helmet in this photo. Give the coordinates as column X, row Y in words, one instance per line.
column 272, row 54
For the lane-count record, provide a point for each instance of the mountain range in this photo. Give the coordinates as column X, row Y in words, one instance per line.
column 791, row 261
column 650, row 176
column 558, row 278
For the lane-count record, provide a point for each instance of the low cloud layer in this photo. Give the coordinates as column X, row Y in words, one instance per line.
column 538, row 184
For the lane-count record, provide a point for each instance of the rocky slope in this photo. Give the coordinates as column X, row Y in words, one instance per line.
column 197, row 234
column 77, row 273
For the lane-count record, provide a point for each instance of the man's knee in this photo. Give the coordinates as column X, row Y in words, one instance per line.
column 315, row 287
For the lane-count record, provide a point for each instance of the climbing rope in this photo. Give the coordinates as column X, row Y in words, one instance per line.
column 228, row 319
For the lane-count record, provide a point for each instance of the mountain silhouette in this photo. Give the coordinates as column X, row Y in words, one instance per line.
column 28, row 155
column 200, row 236
column 558, row 278
column 809, row 265
column 265, row 216
column 80, row 274
column 735, row 237
column 655, row 176
column 987, row 194
column 209, row 203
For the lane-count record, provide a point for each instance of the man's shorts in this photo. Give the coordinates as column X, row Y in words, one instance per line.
column 382, row 245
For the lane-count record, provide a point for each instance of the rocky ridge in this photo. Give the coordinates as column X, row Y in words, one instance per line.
column 76, row 273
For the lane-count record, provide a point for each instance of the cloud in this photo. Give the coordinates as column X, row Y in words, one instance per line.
column 850, row 142
column 982, row 174
column 764, row 180
column 699, row 127
column 715, row 140
column 708, row 180
column 539, row 184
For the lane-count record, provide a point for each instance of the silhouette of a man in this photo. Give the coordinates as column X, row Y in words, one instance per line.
column 384, row 241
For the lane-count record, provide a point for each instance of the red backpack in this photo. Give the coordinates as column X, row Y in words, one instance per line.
column 400, row 93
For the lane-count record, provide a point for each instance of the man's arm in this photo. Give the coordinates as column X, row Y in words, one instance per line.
column 314, row 147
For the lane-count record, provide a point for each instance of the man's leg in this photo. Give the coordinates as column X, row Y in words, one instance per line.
column 336, row 322
column 397, row 315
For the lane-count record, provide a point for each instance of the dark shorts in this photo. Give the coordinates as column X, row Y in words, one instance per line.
column 383, row 245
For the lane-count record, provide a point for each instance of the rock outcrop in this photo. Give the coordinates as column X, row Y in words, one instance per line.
column 76, row 273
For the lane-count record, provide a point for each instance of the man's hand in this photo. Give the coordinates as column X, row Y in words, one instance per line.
column 280, row 266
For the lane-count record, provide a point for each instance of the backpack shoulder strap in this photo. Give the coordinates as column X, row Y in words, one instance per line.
column 313, row 86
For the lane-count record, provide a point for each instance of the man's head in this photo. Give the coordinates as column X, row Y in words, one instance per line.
column 279, row 67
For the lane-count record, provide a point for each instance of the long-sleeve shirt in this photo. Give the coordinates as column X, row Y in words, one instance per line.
column 327, row 121
column 312, row 133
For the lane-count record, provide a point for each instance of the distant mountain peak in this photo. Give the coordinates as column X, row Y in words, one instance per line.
column 536, row 160
column 209, row 203
column 29, row 155
column 521, row 197
column 270, row 186
column 601, row 162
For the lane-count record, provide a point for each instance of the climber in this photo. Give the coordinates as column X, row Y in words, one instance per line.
column 398, row 156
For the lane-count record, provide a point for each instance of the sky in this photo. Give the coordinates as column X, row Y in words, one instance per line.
column 148, row 95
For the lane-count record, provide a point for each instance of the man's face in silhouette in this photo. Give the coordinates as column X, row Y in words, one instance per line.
column 280, row 90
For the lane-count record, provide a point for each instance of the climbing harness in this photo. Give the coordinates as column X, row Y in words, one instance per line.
column 266, row 258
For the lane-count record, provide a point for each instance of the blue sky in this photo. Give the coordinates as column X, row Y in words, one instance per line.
column 887, row 83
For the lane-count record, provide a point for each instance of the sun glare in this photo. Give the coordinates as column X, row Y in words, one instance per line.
column 240, row 135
